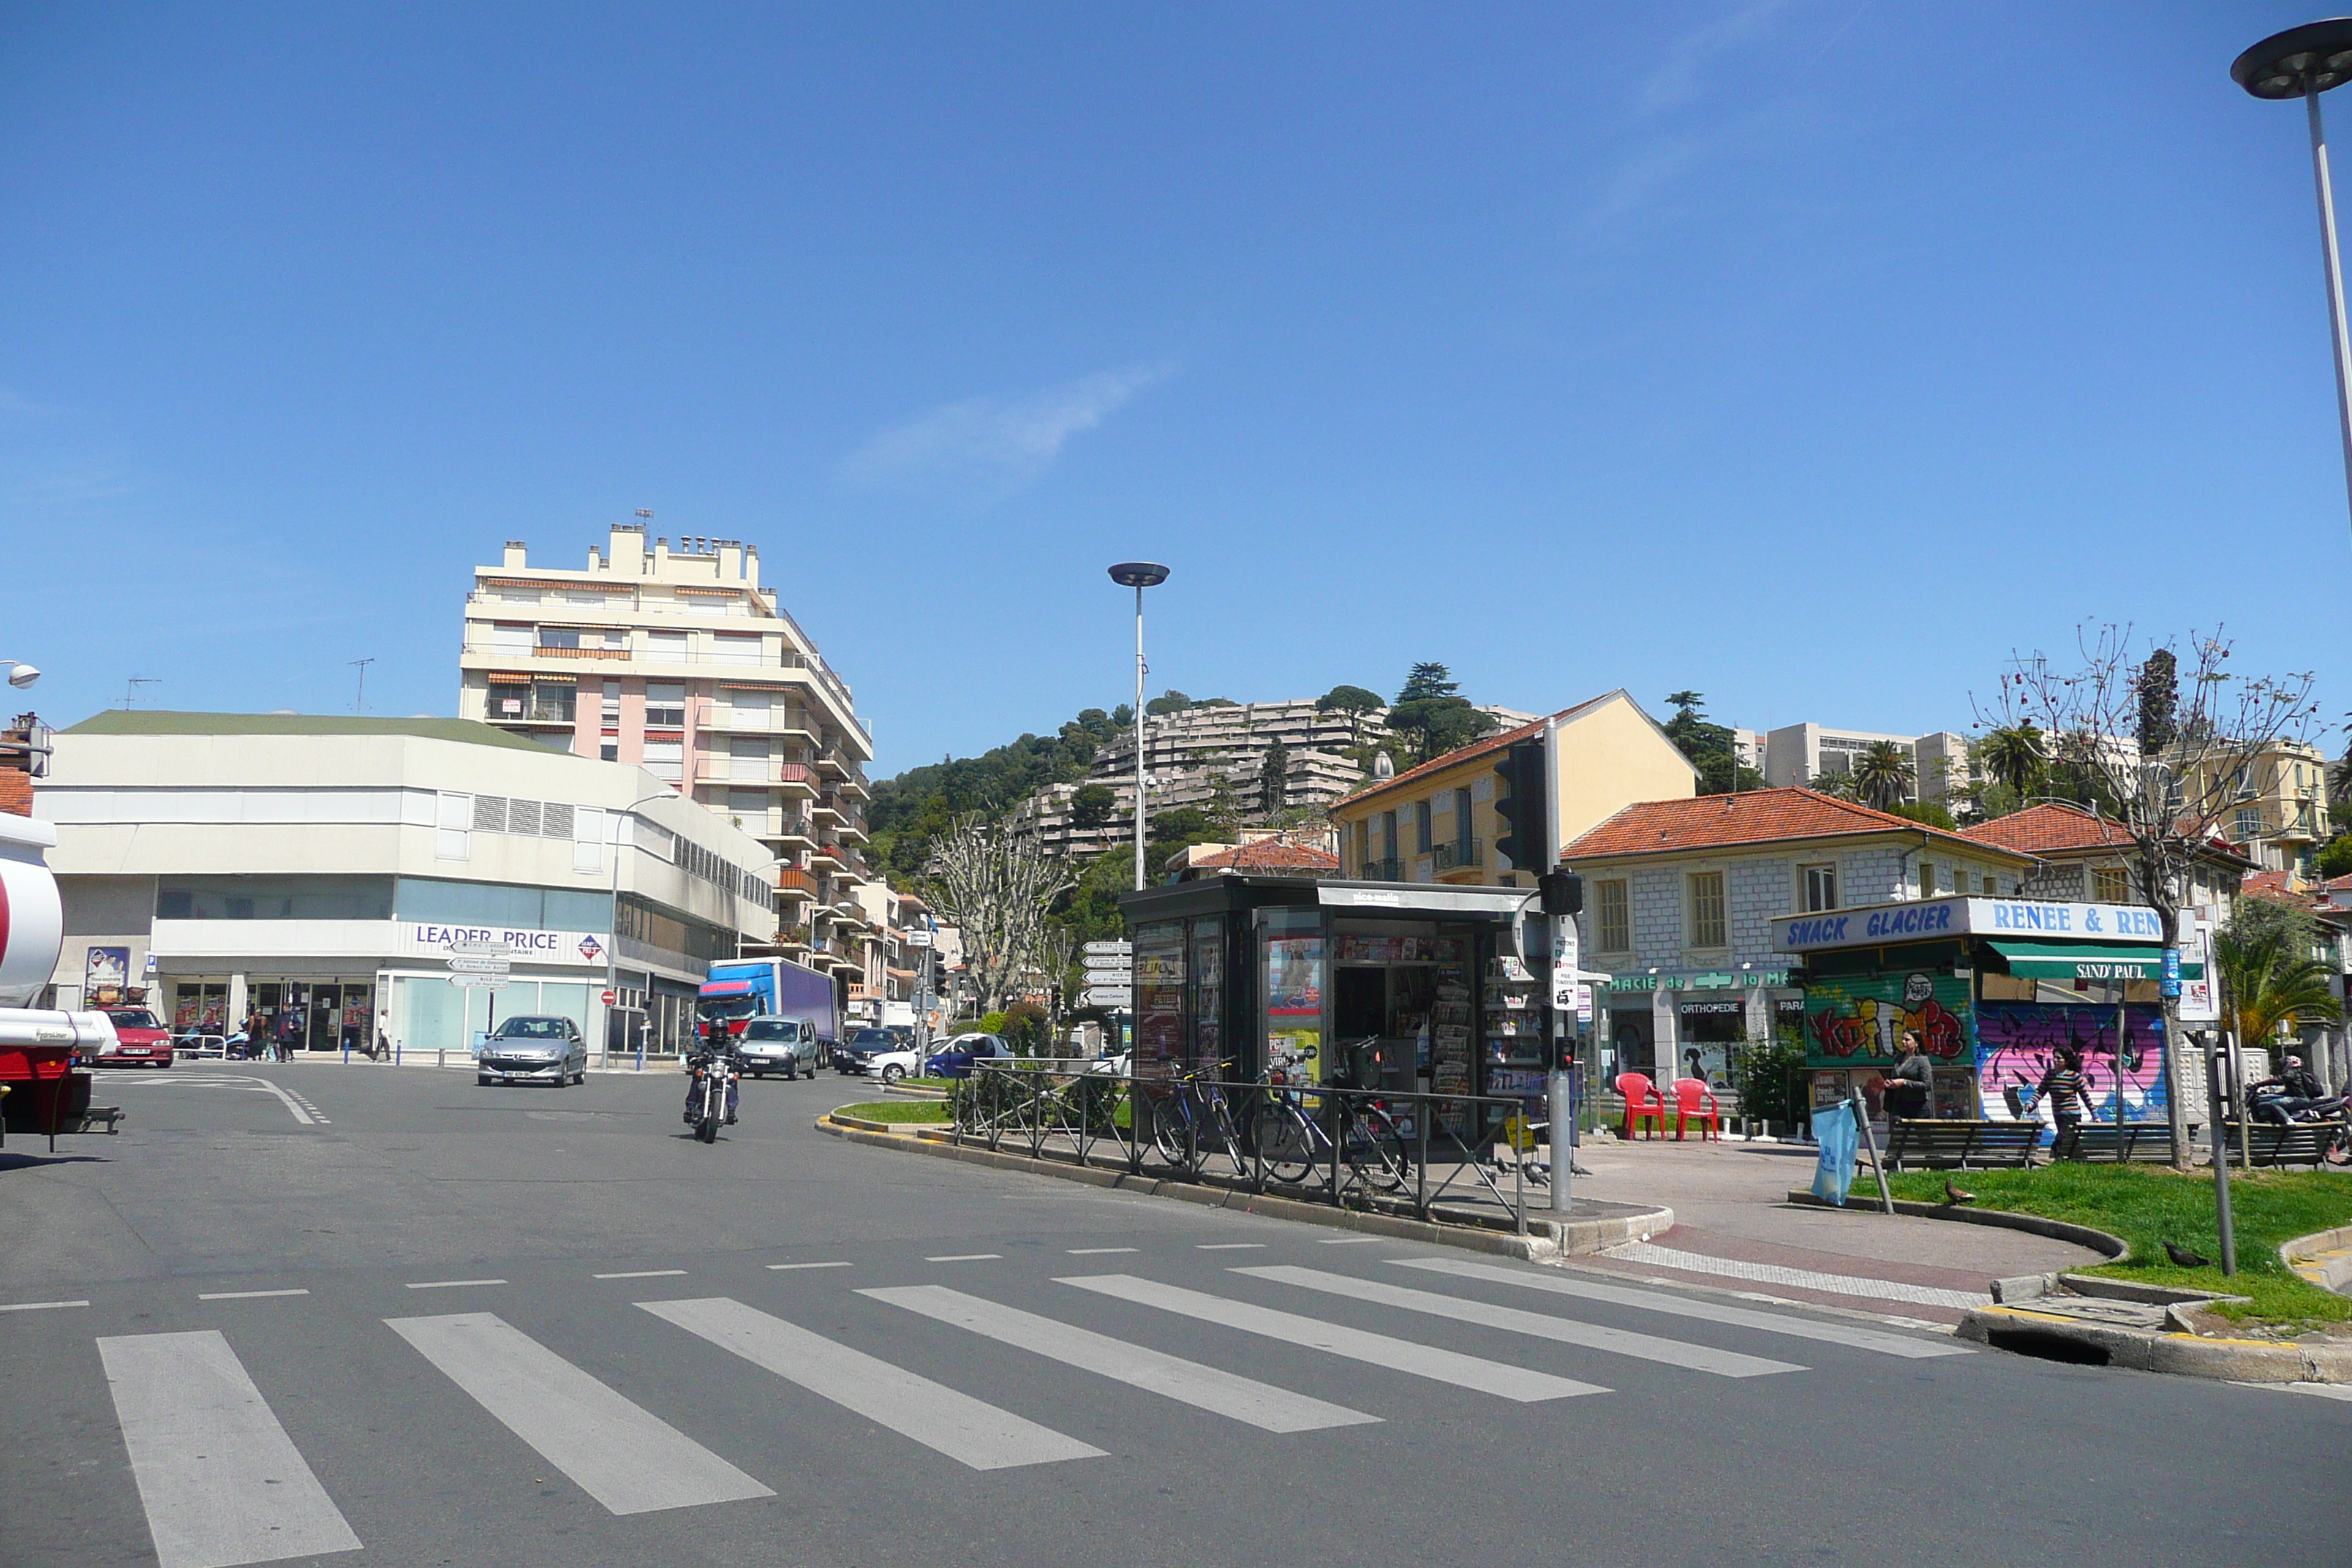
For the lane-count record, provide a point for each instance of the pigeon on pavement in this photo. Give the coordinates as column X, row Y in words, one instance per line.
column 2186, row 1258
column 1953, row 1194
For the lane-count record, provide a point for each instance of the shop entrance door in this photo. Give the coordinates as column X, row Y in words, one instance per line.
column 326, row 1008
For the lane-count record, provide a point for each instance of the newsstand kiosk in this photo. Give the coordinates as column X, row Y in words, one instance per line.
column 40, row 1090
column 1408, row 986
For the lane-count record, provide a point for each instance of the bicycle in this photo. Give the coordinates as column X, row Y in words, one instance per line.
column 1293, row 1142
column 1179, row 1114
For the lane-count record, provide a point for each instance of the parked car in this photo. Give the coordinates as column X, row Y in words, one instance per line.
column 528, row 1049
column 777, row 1044
column 954, row 1058
column 861, row 1046
column 144, row 1042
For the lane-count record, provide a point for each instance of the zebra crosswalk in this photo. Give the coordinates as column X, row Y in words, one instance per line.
column 223, row 1484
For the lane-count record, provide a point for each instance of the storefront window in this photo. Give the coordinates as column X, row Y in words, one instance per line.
column 1160, row 972
column 1291, row 943
column 1208, row 1000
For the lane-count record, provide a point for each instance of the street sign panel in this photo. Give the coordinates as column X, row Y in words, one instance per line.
column 1110, row 977
column 1107, row 995
column 1109, row 965
column 610, row 998
column 919, row 939
column 482, row 982
column 484, row 948
column 1121, row 948
column 481, row 965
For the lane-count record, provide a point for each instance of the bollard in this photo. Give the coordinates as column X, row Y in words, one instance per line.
column 441, row 1057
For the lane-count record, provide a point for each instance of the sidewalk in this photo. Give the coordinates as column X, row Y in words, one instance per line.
column 1735, row 1230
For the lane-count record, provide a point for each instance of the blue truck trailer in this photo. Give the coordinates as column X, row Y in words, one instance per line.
column 738, row 990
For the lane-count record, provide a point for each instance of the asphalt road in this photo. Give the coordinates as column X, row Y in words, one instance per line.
column 391, row 1317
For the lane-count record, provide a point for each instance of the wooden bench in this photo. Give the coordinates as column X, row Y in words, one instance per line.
column 1961, row 1145
column 2104, row 1142
column 2299, row 1143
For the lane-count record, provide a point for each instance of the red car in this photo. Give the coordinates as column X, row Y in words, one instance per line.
column 145, row 1041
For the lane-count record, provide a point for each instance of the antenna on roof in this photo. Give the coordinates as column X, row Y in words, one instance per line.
column 130, row 688
column 359, row 702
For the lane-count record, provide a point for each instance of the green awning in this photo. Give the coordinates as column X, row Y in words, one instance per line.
column 2089, row 961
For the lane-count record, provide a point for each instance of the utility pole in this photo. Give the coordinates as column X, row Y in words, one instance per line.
column 359, row 704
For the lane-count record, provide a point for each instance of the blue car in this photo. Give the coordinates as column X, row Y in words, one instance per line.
column 955, row 1059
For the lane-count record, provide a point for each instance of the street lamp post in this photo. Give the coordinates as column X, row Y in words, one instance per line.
column 1139, row 575
column 20, row 674
column 612, row 935
column 2304, row 62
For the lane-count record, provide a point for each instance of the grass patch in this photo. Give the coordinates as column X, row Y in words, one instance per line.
column 897, row 1110
column 941, row 1083
column 2149, row 1207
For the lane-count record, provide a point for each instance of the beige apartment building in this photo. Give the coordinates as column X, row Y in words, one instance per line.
column 678, row 661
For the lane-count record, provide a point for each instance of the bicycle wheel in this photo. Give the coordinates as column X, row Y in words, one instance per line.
column 1171, row 1128
column 1282, row 1141
column 1229, row 1136
column 1376, row 1150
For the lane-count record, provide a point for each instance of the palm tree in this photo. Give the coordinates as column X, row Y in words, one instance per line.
column 2014, row 755
column 2268, row 986
column 1883, row 774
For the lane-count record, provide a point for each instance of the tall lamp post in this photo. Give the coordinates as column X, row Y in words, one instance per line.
column 20, row 674
column 1139, row 575
column 612, row 936
column 2304, row 62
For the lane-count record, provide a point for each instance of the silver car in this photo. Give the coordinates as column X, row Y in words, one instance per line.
column 529, row 1049
column 768, row 1044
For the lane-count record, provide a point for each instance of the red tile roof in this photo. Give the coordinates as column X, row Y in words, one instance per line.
column 2051, row 826
column 1269, row 855
column 1754, row 816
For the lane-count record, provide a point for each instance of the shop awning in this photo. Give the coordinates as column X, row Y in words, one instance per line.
column 2089, row 961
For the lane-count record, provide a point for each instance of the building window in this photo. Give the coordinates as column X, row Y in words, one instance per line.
column 665, row 705
column 1820, row 888
column 1388, row 835
column 2249, row 823
column 2110, row 885
column 666, row 760
column 1707, row 923
column 1612, row 919
column 1463, row 830
column 612, row 702
column 559, row 637
column 1926, row 878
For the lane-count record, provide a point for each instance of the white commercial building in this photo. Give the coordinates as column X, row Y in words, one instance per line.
column 322, row 872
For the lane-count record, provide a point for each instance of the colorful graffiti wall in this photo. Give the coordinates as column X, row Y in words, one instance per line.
column 2017, row 1041
column 1852, row 1024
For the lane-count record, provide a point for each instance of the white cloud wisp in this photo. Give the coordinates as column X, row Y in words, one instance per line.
column 992, row 444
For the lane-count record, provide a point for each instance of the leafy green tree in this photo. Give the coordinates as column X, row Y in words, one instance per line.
column 2270, row 981
column 1274, row 780
column 1926, row 813
column 2335, row 860
column 1349, row 699
column 1424, row 681
column 1431, row 718
column 2014, row 755
column 2159, row 690
column 1092, row 804
column 1883, row 774
column 1711, row 748
column 1169, row 701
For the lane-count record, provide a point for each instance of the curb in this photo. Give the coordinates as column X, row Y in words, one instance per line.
column 2113, row 1248
column 2179, row 1354
column 2323, row 1258
column 1546, row 1239
column 867, row 1124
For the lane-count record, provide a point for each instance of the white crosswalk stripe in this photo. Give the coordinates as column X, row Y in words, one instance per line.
column 1593, row 1336
column 221, row 1481
column 1497, row 1378
column 961, row 1427
column 1210, row 1388
column 1849, row 1334
column 617, row 1452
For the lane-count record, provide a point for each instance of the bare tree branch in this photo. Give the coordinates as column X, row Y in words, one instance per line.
column 993, row 885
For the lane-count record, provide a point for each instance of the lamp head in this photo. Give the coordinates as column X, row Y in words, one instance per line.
column 1138, row 573
column 2306, row 60
column 21, row 675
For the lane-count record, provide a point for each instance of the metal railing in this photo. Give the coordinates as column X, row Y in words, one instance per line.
column 1461, row 852
column 1406, row 1152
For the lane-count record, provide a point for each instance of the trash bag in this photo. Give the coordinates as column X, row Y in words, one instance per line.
column 1834, row 1130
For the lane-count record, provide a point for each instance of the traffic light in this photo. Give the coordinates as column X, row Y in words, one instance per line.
column 1524, row 838
column 1563, row 892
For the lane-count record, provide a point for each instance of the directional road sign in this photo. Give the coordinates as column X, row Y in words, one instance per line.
column 1121, row 948
column 468, row 964
column 481, row 982
column 481, row 947
column 1108, row 995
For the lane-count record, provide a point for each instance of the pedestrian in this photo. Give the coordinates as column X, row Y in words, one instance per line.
column 2062, row 1090
column 1910, row 1090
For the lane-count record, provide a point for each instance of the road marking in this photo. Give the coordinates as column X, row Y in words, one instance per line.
column 965, row 1258
column 38, row 1305
column 1348, row 1240
column 1229, row 1247
column 245, row 1295
column 1592, row 1336
column 616, row 1451
column 294, row 1106
column 1397, row 1356
column 1801, row 1278
column 1098, row 1251
column 956, row 1425
column 643, row 1274
column 1684, row 1307
column 1209, row 1388
column 221, row 1481
column 841, row 1264
column 450, row 1284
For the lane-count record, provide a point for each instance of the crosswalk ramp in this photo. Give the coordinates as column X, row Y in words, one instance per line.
column 222, row 1483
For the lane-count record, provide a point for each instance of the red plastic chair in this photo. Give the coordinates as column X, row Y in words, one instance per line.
column 1641, row 1102
column 1692, row 1097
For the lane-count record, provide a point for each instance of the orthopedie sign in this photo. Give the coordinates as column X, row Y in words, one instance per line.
column 1928, row 919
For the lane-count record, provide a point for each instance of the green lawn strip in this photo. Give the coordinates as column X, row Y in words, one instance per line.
column 2149, row 1207
column 897, row 1110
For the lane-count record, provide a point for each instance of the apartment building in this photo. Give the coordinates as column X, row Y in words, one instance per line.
column 678, row 661
column 1803, row 755
column 2274, row 809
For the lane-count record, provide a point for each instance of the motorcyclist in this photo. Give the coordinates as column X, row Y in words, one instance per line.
column 719, row 1044
column 2295, row 1089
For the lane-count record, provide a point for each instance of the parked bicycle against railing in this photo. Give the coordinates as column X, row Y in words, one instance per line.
column 1294, row 1141
column 1187, row 1113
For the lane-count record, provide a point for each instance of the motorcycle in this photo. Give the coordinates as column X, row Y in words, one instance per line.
column 712, row 1104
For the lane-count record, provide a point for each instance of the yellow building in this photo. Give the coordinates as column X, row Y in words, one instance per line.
column 2273, row 809
column 1438, row 822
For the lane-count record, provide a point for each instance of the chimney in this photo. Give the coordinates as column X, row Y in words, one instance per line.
column 730, row 560
column 626, row 549
column 514, row 555
column 751, row 564
column 661, row 557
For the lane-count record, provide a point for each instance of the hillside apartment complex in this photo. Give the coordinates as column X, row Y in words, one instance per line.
column 1797, row 755
column 678, row 661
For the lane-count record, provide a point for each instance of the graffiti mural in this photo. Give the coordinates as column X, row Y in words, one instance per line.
column 1854, row 1023
column 2017, row 1041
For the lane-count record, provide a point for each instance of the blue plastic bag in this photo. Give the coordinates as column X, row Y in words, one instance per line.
column 1834, row 1130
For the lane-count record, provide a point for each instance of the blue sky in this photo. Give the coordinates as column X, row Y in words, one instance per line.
column 1812, row 353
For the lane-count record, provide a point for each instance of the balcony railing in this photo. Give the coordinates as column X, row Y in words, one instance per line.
column 794, row 880
column 1389, row 870
column 1461, row 852
column 531, row 713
